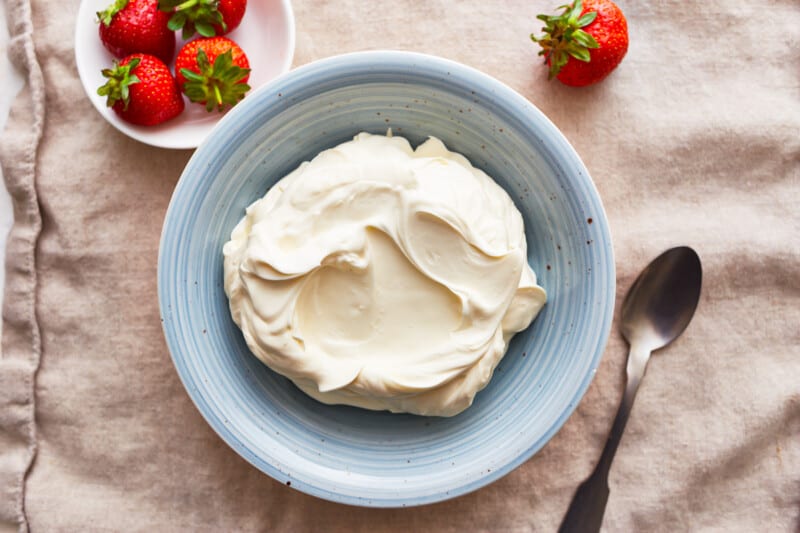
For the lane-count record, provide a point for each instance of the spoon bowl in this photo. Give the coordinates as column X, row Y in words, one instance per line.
column 661, row 302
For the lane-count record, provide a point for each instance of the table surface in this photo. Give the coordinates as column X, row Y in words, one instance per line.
column 692, row 140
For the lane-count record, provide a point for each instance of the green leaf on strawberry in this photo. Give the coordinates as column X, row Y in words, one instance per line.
column 120, row 78
column 105, row 16
column 563, row 37
column 176, row 21
column 205, row 29
column 218, row 84
column 194, row 16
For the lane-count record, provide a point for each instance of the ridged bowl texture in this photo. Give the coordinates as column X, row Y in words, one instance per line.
column 352, row 455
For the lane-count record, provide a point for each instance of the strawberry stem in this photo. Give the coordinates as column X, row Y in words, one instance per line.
column 120, row 78
column 186, row 5
column 564, row 37
column 105, row 17
column 194, row 16
column 218, row 84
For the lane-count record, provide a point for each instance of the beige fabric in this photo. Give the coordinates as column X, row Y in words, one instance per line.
column 21, row 344
column 693, row 140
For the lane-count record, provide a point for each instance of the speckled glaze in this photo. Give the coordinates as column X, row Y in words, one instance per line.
column 351, row 455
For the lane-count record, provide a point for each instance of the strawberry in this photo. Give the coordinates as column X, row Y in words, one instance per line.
column 136, row 26
column 585, row 43
column 206, row 17
column 213, row 71
column 141, row 90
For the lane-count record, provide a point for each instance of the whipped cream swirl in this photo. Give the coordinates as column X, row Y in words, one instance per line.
column 383, row 277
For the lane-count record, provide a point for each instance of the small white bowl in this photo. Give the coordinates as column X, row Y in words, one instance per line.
column 266, row 34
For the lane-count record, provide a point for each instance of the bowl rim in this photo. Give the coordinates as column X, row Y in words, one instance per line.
column 513, row 99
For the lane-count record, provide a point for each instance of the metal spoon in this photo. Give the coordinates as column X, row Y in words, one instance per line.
column 656, row 310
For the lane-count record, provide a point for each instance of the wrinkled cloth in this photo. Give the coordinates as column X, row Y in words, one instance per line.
column 692, row 140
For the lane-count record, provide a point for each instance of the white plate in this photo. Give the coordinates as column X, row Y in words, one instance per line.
column 266, row 34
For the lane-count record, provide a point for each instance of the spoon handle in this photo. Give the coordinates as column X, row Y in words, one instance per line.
column 585, row 513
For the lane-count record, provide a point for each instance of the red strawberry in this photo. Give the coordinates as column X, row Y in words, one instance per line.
column 213, row 71
column 141, row 90
column 136, row 26
column 585, row 43
column 206, row 17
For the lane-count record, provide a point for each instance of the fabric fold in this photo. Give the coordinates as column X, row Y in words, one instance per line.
column 21, row 343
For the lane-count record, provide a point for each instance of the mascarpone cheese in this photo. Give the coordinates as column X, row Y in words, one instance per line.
column 383, row 277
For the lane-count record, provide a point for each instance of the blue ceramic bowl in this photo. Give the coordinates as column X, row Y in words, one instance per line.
column 376, row 458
